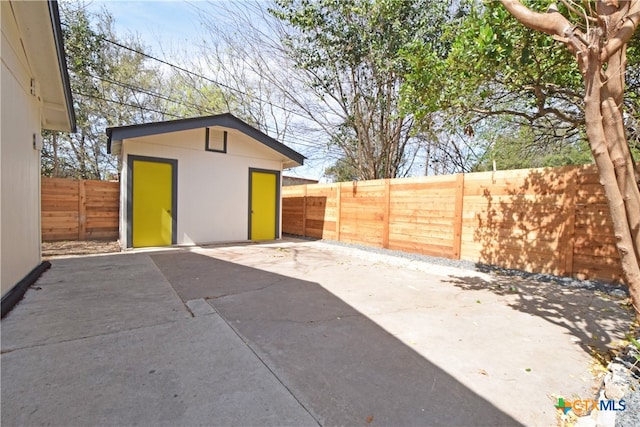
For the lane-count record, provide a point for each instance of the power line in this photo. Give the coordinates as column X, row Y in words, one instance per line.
column 217, row 83
column 152, row 93
column 177, row 67
column 297, row 140
column 164, row 113
column 125, row 104
column 310, row 143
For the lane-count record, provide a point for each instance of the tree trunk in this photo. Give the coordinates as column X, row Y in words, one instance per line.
column 597, row 140
column 604, row 45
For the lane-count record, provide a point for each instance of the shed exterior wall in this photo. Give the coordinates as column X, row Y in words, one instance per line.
column 212, row 191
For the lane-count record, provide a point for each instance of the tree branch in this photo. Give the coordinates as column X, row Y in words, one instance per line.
column 528, row 117
column 577, row 12
column 550, row 23
column 553, row 23
column 624, row 33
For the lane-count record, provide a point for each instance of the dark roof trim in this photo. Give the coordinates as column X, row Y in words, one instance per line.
column 224, row 120
column 54, row 13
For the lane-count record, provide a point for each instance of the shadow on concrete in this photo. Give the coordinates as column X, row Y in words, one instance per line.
column 340, row 365
column 587, row 315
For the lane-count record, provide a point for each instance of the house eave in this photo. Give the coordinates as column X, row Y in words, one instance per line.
column 41, row 35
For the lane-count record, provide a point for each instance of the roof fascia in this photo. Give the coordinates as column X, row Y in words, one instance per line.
column 224, row 120
column 56, row 27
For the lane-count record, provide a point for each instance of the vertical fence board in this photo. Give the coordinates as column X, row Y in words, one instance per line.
column 567, row 241
column 304, row 211
column 385, row 218
column 457, row 225
column 82, row 210
column 293, row 211
column 338, row 210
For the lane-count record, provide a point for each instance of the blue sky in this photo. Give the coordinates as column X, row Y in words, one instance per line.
column 172, row 30
column 162, row 25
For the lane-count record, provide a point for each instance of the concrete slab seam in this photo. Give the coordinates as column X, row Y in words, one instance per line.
column 235, row 331
column 187, row 308
column 11, row 350
column 199, row 307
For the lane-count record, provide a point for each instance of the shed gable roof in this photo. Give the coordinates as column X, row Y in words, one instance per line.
column 226, row 120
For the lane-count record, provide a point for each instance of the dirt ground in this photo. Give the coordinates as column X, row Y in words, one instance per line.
column 64, row 248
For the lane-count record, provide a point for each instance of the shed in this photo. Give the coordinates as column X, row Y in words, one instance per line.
column 199, row 180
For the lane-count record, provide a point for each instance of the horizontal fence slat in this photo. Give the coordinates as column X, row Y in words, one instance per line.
column 60, row 209
column 551, row 220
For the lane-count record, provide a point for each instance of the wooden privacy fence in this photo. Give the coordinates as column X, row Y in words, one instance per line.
column 551, row 220
column 79, row 210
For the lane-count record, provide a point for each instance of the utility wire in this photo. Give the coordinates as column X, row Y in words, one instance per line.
column 177, row 67
column 152, row 93
column 164, row 113
column 297, row 140
column 125, row 104
column 311, row 144
column 199, row 108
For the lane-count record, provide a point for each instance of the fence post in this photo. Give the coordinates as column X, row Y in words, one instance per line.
column 457, row 217
column 338, row 210
column 385, row 219
column 82, row 210
column 568, row 237
column 304, row 211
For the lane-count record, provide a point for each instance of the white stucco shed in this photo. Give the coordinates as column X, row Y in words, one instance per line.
column 199, row 180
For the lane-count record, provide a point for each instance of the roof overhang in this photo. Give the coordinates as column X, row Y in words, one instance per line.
column 118, row 134
column 41, row 34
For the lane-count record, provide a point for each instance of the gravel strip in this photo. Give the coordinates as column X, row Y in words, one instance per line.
column 615, row 290
column 622, row 383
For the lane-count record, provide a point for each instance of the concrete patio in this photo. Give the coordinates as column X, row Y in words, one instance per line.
column 295, row 333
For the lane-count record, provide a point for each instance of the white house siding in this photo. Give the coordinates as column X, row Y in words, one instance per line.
column 212, row 187
column 20, row 163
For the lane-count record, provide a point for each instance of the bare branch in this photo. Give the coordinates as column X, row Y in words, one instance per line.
column 528, row 117
column 577, row 12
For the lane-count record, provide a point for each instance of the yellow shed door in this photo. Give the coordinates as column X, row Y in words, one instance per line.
column 263, row 209
column 152, row 204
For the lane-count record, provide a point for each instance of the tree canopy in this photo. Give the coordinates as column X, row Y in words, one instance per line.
column 379, row 88
column 351, row 56
column 501, row 75
column 597, row 35
column 113, row 83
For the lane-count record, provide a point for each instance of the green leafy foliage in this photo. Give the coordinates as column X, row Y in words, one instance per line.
column 636, row 344
column 500, row 75
column 518, row 150
column 343, row 170
column 354, row 56
column 499, row 60
column 113, row 83
column 110, row 85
